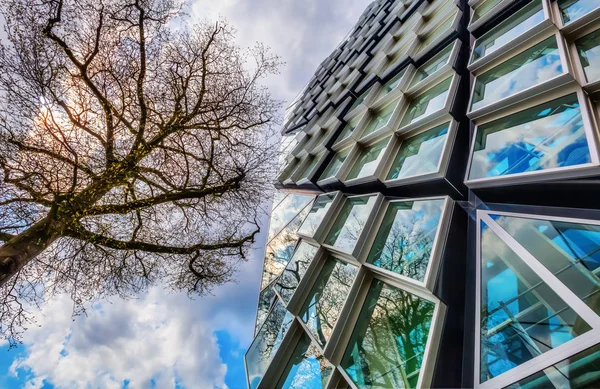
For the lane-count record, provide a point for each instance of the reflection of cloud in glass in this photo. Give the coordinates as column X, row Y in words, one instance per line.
column 307, row 368
column 574, row 9
column 368, row 160
column 295, row 270
column 429, row 102
column 589, row 53
column 350, row 222
column 548, row 136
column 316, row 214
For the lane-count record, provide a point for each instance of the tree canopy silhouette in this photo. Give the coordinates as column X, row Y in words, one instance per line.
column 134, row 148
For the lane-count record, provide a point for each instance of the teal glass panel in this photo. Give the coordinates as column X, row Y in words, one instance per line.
column 388, row 342
column 316, row 214
column 550, row 135
column 588, row 48
column 265, row 301
column 391, row 85
column 420, row 154
column 336, row 163
column 379, row 119
column 428, row 103
column 483, row 8
column 517, row 24
column 283, row 212
column 580, row 371
column 348, row 129
column 569, row 250
column 350, row 222
column 534, row 66
column 359, row 100
column 521, row 316
column 572, row 10
column 307, row 368
column 432, row 66
column 290, row 278
column 405, row 238
column 438, row 31
column 326, row 298
column 369, row 159
column 267, row 342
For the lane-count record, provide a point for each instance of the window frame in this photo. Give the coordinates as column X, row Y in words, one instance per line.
column 354, row 156
column 490, row 14
column 590, row 87
column 319, row 234
column 573, row 27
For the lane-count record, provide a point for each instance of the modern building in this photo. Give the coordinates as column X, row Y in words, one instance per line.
column 437, row 220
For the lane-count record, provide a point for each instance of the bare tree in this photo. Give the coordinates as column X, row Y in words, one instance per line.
column 132, row 150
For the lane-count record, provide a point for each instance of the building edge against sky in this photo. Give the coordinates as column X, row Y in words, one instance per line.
column 437, row 219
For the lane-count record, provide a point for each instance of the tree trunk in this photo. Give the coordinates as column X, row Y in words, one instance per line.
column 21, row 249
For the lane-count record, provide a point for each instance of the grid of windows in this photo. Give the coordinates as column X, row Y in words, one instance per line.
column 432, row 142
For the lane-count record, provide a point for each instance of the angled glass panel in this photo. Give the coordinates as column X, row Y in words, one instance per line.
column 428, row 103
column 326, row 299
column 316, row 214
column 517, row 24
column 380, row 119
column 438, row 31
column 283, row 212
column 387, row 345
column 405, row 238
column 588, row 48
column 359, row 100
column 433, row 65
column 368, row 160
column 532, row 67
column 550, row 135
column 350, row 222
column 267, row 342
column 336, row 163
column 348, row 129
column 265, row 301
column 312, row 162
column 420, row 154
column 569, row 250
column 521, row 317
column 579, row 371
column 482, row 8
column 307, row 368
column 572, row 10
column 391, row 85
column 290, row 278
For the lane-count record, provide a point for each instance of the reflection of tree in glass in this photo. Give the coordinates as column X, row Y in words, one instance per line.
column 265, row 301
column 387, row 345
column 307, row 369
column 327, row 297
column 294, row 271
column 350, row 222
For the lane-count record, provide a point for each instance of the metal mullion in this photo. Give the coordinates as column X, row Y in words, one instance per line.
column 581, row 308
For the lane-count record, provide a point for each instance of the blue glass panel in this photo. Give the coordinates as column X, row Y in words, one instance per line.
column 307, row 368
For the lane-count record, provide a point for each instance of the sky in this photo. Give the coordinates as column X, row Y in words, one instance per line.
column 163, row 339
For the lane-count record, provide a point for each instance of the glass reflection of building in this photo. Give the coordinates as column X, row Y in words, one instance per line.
column 437, row 216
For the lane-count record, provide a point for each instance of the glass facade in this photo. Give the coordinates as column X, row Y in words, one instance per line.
column 446, row 229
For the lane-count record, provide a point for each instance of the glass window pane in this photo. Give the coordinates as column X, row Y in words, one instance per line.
column 283, row 212
column 483, row 8
column 569, row 250
column 521, row 317
column 295, row 270
column 405, row 239
column 579, row 371
column 572, row 10
column 336, row 163
column 429, row 102
column 390, row 85
column 380, row 119
column 548, row 136
column 368, row 160
column 267, row 342
column 432, row 66
column 350, row 222
column 529, row 68
column 326, row 299
column 420, row 154
column 348, row 129
column 307, row 368
column 359, row 100
column 316, row 214
column 312, row 162
column 387, row 345
column 438, row 31
column 522, row 21
column 588, row 48
column 265, row 301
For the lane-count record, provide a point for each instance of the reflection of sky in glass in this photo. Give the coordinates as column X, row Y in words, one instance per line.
column 548, row 136
column 574, row 9
column 406, row 236
column 368, row 160
column 521, row 317
column 350, row 222
column 284, row 211
column 267, row 342
column 429, row 102
column 380, row 119
column 420, row 154
column 522, row 21
column 295, row 270
column 336, row 163
column 390, row 85
column 432, row 66
column 265, row 299
column 326, row 299
column 589, row 53
column 532, row 67
column 316, row 214
column 307, row 368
